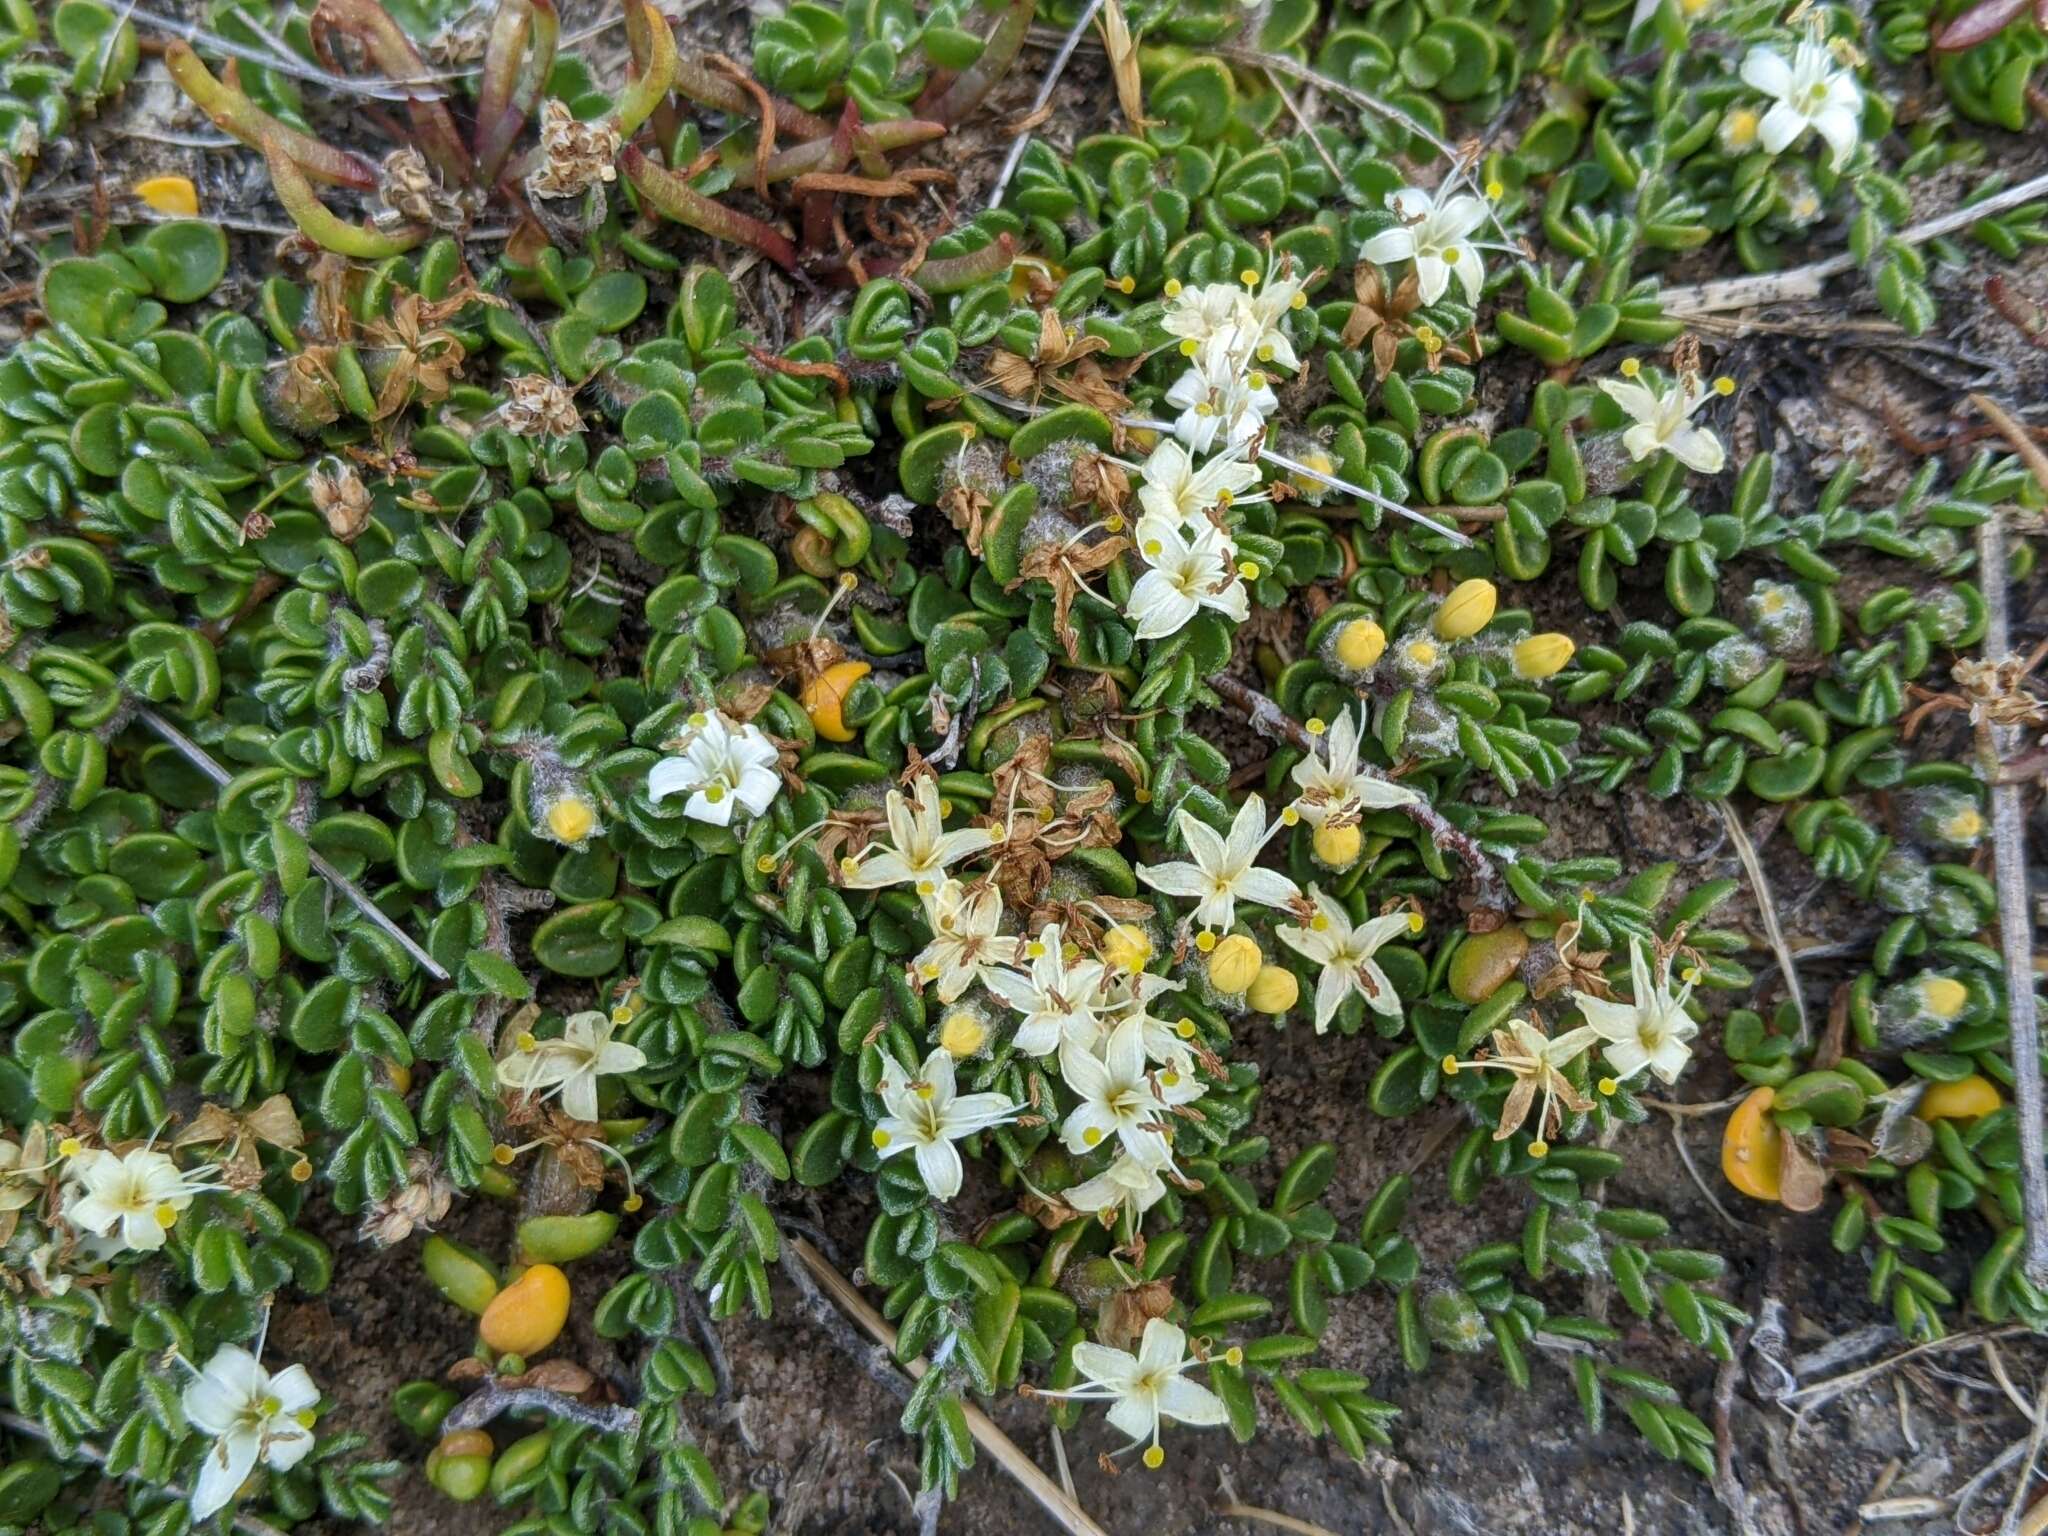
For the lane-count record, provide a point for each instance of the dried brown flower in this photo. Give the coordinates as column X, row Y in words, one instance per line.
column 421, row 1202
column 340, row 497
column 574, row 156
column 538, row 406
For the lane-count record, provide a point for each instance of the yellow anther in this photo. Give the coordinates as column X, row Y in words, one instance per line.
column 525, row 1040
column 927, row 888
column 1249, row 278
column 1495, row 190
column 301, row 1171
column 1091, row 1136
column 1188, row 346
column 714, row 793
column 166, row 1215
column 1539, row 1149
column 1315, row 725
column 1233, row 1356
column 1299, row 301
column 1450, row 1066
column 1724, row 385
column 70, row 1146
column 1155, row 1457
column 622, row 1015
column 1415, row 922
column 502, row 1155
column 699, row 720
column 631, row 1203
column 849, row 867
column 1608, row 1087
column 1185, row 1029
column 1630, row 367
column 765, row 864
column 1035, row 950
column 1173, row 288
column 1248, row 569
column 1153, row 547
column 880, row 1138
column 1319, row 923
column 1290, row 817
column 1205, row 941
column 1113, row 524
column 1127, row 284
column 922, row 1090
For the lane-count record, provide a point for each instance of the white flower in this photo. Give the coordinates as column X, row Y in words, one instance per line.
column 1346, row 955
column 1651, row 1031
column 1125, row 1187
column 721, row 766
column 1127, row 996
column 132, row 1200
column 1435, row 233
column 1222, row 870
column 1119, row 1098
column 571, row 1065
column 1187, row 575
column 965, row 946
column 925, row 1117
column 1334, row 781
column 1203, row 313
column 1146, row 1387
column 1056, row 999
column 1810, row 92
column 253, row 1416
column 1259, row 317
column 1219, row 401
column 1175, row 491
column 1662, row 422
column 920, row 848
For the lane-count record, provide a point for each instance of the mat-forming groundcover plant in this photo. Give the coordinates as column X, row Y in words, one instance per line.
column 684, row 640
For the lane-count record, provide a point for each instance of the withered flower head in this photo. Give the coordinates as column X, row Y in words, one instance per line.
column 537, row 406
column 422, row 1201
column 574, row 156
column 340, row 497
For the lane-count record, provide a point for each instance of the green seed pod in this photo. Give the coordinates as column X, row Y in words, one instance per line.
column 459, row 1274
column 559, row 1239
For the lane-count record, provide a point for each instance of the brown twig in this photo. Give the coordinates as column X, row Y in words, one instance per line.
column 1048, row 1495
column 494, row 1399
column 1272, row 722
column 2009, row 874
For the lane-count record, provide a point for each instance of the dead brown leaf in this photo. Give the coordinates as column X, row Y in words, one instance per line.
column 1123, row 64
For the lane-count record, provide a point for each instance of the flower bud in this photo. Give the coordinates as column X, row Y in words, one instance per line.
column 1234, row 965
column 1943, row 996
column 1542, row 656
column 1338, row 846
column 1359, row 644
column 571, row 818
column 1274, row 990
column 962, row 1034
column 1126, row 947
column 1468, row 610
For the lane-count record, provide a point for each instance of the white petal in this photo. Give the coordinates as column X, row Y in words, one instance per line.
column 1697, row 448
column 1765, row 69
column 670, row 776
column 1432, row 277
column 1410, row 203
column 1332, row 987
column 227, row 1465
column 701, row 807
column 1266, row 888
column 1625, row 1058
column 1104, row 1366
column 1163, row 1347
column 1390, row 246
column 1178, row 878
column 1839, row 125
column 1471, row 271
column 213, row 1399
column 1780, row 127
column 938, row 1164
column 1190, row 1403
column 294, row 1389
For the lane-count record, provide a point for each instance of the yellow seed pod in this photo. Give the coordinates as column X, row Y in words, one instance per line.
column 527, row 1316
column 1126, row 947
column 962, row 1034
column 824, row 698
column 571, row 818
column 1235, row 964
column 1339, row 847
column 1360, row 643
column 1273, row 990
column 174, row 195
column 1468, row 610
column 1542, row 656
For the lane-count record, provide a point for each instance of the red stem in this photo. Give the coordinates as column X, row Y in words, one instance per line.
column 669, row 195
